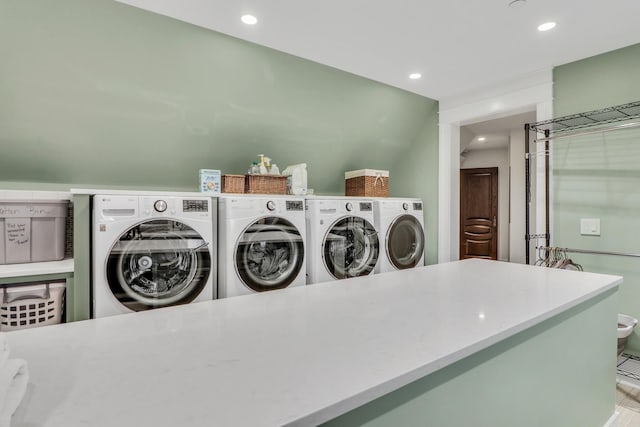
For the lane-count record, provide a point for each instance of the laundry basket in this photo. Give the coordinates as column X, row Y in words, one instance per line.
column 265, row 184
column 233, row 184
column 28, row 306
column 367, row 183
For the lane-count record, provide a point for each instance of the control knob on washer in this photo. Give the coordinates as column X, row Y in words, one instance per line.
column 160, row 206
column 405, row 206
column 349, row 206
column 271, row 206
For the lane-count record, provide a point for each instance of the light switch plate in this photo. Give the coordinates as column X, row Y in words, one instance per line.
column 590, row 226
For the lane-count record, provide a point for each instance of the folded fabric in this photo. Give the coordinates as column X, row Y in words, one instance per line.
column 14, row 377
column 4, row 348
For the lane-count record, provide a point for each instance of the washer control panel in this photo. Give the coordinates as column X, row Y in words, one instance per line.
column 195, row 206
column 160, row 206
column 295, row 205
column 174, row 207
column 366, row 207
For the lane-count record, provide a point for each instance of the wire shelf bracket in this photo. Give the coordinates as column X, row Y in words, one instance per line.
column 573, row 122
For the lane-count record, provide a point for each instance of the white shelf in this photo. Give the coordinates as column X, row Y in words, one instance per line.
column 20, row 195
column 628, row 370
column 36, row 268
column 94, row 191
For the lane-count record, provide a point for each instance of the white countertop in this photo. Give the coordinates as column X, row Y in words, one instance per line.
column 94, row 191
column 36, row 268
column 28, row 195
column 19, row 195
column 297, row 356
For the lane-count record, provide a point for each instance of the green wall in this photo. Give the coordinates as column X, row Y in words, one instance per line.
column 418, row 175
column 597, row 82
column 100, row 94
column 598, row 176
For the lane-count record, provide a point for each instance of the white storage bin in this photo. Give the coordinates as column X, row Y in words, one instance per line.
column 31, row 305
column 32, row 231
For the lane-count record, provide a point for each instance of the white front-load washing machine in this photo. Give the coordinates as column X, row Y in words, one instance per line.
column 261, row 244
column 151, row 252
column 401, row 226
column 343, row 241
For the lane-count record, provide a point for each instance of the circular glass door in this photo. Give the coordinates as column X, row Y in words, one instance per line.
column 158, row 263
column 269, row 254
column 350, row 248
column 405, row 242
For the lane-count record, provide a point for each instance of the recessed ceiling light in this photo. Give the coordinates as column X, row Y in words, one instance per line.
column 482, row 139
column 415, row 76
column 546, row 26
column 249, row 19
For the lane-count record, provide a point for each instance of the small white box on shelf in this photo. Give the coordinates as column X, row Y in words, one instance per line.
column 210, row 181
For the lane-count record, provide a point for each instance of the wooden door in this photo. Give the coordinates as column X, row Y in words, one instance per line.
column 479, row 213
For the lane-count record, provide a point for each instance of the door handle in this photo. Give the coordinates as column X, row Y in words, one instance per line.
column 495, row 223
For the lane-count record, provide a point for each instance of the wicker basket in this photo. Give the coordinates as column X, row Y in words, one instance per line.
column 265, row 184
column 29, row 305
column 367, row 183
column 233, row 184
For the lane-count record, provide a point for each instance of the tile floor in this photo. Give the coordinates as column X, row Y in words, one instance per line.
column 628, row 405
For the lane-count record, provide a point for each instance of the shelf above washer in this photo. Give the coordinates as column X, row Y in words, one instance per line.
column 36, row 268
column 158, row 193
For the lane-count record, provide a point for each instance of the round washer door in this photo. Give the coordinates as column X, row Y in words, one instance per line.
column 158, row 263
column 269, row 254
column 405, row 242
column 350, row 248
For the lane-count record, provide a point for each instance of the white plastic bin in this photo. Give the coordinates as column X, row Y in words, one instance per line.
column 32, row 231
column 30, row 305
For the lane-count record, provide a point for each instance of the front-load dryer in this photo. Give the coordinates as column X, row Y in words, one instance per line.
column 343, row 241
column 261, row 244
column 151, row 252
column 401, row 226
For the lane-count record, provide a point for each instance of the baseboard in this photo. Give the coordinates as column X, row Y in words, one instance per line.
column 613, row 420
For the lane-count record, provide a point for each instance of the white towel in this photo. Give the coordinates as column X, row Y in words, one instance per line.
column 14, row 377
column 4, row 348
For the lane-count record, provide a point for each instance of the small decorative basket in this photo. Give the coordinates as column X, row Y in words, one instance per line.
column 367, row 183
column 265, row 184
column 32, row 305
column 233, row 184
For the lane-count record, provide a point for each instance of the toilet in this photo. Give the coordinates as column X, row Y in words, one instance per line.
column 625, row 327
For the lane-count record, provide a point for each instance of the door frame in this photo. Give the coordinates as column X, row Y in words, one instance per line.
column 533, row 92
column 494, row 205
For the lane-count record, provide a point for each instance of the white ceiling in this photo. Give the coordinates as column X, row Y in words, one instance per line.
column 496, row 132
column 458, row 46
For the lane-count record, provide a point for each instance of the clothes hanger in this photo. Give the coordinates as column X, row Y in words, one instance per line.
column 541, row 260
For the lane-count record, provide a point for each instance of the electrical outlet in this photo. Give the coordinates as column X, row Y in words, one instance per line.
column 590, row 226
